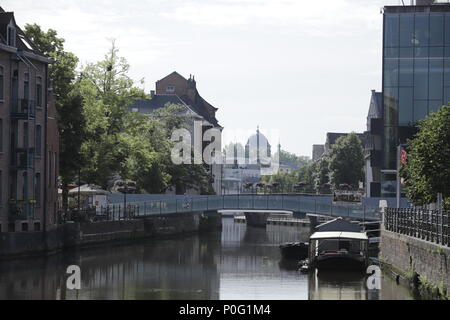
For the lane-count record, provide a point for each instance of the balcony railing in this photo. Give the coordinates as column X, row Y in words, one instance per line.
column 22, row 158
column 20, row 210
column 23, row 108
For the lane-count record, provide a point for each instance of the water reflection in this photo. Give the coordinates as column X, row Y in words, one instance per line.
column 326, row 285
column 238, row 263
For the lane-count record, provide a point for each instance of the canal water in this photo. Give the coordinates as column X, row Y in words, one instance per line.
column 239, row 263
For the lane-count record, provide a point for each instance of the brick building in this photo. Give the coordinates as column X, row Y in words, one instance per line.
column 29, row 140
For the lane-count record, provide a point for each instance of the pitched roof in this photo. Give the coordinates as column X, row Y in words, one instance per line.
column 376, row 105
column 198, row 104
column 5, row 17
column 158, row 101
column 338, row 224
column 173, row 73
column 22, row 41
column 202, row 107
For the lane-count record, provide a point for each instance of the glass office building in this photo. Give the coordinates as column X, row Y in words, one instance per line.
column 416, row 73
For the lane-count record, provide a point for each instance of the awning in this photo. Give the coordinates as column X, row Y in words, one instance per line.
column 89, row 189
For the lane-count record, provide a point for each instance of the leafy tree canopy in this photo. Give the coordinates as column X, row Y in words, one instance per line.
column 298, row 161
column 346, row 161
column 427, row 171
column 108, row 91
column 322, row 172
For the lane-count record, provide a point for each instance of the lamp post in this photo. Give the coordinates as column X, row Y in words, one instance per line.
column 125, row 199
column 79, row 190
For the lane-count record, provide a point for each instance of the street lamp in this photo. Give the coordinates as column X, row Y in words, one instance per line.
column 125, row 199
column 79, row 191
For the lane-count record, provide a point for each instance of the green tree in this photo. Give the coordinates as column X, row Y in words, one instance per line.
column 298, row 161
column 286, row 180
column 69, row 102
column 131, row 144
column 321, row 173
column 145, row 148
column 427, row 171
column 107, row 91
column 306, row 175
column 346, row 161
column 184, row 176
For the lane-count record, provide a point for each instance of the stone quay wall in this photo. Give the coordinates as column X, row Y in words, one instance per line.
column 69, row 235
column 425, row 265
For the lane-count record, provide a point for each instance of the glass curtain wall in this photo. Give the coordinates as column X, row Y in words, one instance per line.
column 416, row 77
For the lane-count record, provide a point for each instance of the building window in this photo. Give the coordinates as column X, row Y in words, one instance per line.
column 170, row 89
column 1, row 135
column 25, row 134
column 25, row 187
column 11, row 36
column 39, row 92
column 49, row 169
column 1, row 187
column 2, row 97
column 38, row 140
column 55, row 164
column 37, row 188
column 26, row 86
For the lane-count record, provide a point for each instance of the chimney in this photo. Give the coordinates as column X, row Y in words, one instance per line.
column 152, row 93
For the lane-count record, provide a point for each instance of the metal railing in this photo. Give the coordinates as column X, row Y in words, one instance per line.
column 23, row 108
column 429, row 225
column 190, row 204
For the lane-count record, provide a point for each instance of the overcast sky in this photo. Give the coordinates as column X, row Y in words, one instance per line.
column 302, row 68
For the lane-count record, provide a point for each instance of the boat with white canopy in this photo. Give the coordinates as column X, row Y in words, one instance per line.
column 339, row 249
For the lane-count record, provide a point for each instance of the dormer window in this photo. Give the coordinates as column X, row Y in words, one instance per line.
column 170, row 89
column 11, row 36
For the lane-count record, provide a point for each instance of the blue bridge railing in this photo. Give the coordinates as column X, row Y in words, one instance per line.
column 312, row 205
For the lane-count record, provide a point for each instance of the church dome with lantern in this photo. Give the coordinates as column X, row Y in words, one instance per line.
column 258, row 149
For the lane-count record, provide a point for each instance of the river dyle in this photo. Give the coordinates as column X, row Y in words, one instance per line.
column 238, row 263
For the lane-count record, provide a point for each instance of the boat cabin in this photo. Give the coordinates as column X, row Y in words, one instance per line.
column 339, row 250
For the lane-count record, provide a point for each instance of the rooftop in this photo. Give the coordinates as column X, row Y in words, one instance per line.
column 424, row 8
column 339, row 235
column 22, row 42
column 158, row 101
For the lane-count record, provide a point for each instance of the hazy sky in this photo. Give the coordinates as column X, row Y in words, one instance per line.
column 302, row 68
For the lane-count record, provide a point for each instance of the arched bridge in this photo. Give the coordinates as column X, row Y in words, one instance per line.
column 299, row 204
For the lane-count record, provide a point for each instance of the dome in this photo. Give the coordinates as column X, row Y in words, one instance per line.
column 253, row 140
column 258, row 142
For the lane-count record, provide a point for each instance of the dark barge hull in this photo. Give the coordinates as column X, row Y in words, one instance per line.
column 340, row 263
column 294, row 251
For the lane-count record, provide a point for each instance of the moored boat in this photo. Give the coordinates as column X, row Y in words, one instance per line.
column 337, row 250
column 294, row 250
